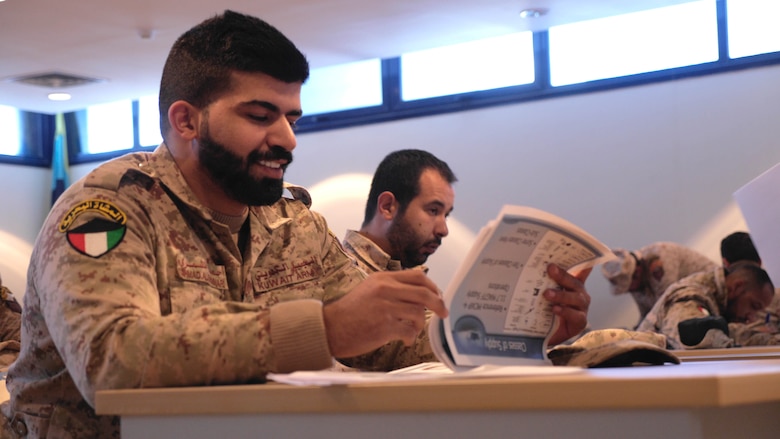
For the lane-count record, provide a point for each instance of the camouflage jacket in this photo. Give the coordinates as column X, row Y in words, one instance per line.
column 699, row 295
column 10, row 327
column 667, row 262
column 371, row 259
column 133, row 284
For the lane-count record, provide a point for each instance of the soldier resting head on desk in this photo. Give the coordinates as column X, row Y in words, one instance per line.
column 712, row 309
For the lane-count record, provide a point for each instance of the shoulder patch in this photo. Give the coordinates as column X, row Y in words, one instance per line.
column 97, row 236
column 105, row 208
column 299, row 193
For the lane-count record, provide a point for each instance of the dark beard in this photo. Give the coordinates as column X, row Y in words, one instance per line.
column 406, row 245
column 231, row 172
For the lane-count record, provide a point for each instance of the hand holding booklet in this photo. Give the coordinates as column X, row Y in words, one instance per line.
column 498, row 315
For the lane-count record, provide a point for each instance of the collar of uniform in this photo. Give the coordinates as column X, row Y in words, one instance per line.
column 373, row 255
column 370, row 253
column 162, row 166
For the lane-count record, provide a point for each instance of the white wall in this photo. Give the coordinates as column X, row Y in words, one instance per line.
column 631, row 166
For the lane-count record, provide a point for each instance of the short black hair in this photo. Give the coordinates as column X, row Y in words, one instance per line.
column 738, row 246
column 202, row 59
column 751, row 272
column 399, row 173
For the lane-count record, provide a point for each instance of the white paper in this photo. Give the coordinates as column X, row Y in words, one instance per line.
column 759, row 201
column 423, row 371
column 498, row 315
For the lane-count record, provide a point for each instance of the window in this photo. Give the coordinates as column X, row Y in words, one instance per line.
column 343, row 87
column 657, row 39
column 752, row 27
column 654, row 45
column 478, row 65
column 108, row 127
column 149, row 121
column 10, row 131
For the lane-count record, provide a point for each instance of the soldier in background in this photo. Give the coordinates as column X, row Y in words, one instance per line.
column 739, row 247
column 698, row 311
column 406, row 213
column 648, row 271
column 10, row 327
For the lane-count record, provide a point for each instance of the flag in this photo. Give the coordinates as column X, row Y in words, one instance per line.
column 59, row 160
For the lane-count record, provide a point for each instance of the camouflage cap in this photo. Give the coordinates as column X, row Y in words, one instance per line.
column 620, row 270
column 612, row 348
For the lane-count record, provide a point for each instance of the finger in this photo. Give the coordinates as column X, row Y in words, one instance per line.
column 417, row 288
column 564, row 279
column 574, row 318
column 583, row 274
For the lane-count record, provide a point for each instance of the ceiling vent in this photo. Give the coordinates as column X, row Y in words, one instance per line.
column 55, row 80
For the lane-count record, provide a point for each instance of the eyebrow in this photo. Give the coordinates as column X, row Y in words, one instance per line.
column 271, row 107
column 439, row 203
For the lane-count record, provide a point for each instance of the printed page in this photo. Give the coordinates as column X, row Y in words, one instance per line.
column 498, row 315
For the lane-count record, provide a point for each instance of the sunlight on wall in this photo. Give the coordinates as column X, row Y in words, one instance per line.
column 14, row 258
column 342, row 200
column 707, row 239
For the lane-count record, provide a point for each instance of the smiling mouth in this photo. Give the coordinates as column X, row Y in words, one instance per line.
column 269, row 164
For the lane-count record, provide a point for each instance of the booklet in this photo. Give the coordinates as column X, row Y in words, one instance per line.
column 498, row 315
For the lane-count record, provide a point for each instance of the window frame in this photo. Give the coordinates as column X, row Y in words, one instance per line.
column 393, row 108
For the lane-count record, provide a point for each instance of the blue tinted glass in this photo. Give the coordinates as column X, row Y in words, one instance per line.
column 343, row 87
column 752, row 27
column 149, row 121
column 109, row 127
column 10, row 131
column 634, row 43
column 478, row 65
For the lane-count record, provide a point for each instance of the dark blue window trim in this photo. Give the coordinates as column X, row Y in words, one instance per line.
column 393, row 108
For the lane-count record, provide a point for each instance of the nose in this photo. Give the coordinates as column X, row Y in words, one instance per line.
column 441, row 228
column 281, row 134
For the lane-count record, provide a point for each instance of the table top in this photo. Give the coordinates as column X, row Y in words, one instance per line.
column 741, row 353
column 716, row 383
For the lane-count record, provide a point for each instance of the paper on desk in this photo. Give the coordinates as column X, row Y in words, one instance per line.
column 423, row 371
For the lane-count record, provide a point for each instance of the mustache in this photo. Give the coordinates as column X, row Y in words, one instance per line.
column 275, row 153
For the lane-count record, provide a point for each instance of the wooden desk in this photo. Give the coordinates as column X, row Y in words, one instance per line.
column 712, row 399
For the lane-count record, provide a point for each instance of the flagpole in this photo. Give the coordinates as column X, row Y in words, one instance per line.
column 59, row 162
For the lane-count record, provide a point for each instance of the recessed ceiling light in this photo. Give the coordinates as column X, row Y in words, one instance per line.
column 532, row 13
column 59, row 96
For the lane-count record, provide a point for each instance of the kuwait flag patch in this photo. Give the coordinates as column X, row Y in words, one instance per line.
column 97, row 236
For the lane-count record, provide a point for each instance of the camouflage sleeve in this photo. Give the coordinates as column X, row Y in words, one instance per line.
column 758, row 333
column 297, row 328
column 340, row 272
column 686, row 304
column 10, row 316
column 104, row 317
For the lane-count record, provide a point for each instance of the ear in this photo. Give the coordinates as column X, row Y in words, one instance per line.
column 387, row 205
column 734, row 288
column 184, row 119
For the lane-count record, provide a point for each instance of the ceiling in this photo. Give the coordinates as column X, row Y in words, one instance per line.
column 124, row 43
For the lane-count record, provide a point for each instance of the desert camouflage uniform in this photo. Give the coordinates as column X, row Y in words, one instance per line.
column 369, row 256
column 170, row 302
column 371, row 259
column 10, row 327
column 675, row 262
column 700, row 295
